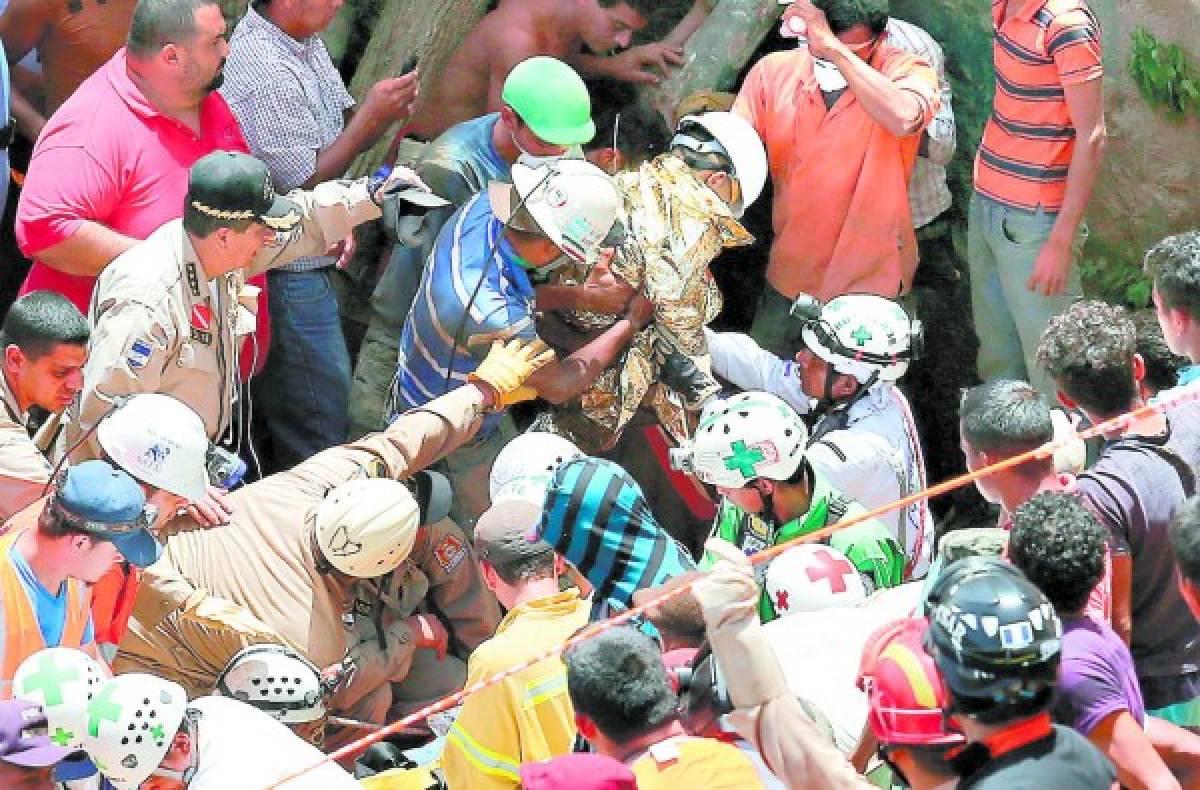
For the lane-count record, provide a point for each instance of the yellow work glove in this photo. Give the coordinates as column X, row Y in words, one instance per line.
column 507, row 366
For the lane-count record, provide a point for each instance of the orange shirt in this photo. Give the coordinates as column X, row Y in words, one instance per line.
column 1028, row 142
column 841, row 214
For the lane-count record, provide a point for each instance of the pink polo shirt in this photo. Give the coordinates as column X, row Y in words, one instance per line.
column 109, row 156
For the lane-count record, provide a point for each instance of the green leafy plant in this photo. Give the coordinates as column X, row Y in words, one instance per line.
column 1116, row 281
column 1164, row 75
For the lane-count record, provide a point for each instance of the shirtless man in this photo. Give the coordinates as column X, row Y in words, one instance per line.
column 570, row 30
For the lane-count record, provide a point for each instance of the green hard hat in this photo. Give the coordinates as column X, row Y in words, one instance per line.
column 551, row 98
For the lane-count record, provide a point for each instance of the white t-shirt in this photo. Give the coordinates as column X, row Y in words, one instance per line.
column 242, row 747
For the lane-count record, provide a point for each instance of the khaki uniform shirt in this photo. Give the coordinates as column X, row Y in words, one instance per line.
column 159, row 326
column 24, row 470
column 263, row 561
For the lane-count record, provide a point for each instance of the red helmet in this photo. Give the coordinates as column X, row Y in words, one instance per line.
column 905, row 693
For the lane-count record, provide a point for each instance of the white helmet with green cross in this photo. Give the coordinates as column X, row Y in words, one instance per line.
column 62, row 680
column 862, row 335
column 130, row 724
column 743, row 438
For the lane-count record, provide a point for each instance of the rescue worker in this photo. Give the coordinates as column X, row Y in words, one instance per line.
column 863, row 438
column 44, row 339
column 997, row 642
column 170, row 314
column 682, row 211
column 281, row 683
column 527, row 717
column 476, row 287
column 142, row 732
column 546, row 111
column 905, row 702
column 345, row 543
column 93, row 515
column 752, row 448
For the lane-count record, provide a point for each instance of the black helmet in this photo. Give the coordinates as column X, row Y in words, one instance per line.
column 995, row 639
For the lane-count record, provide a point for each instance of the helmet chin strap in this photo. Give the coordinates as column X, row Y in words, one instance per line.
column 831, row 414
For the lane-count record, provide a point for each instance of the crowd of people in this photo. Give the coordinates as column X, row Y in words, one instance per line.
column 195, row 593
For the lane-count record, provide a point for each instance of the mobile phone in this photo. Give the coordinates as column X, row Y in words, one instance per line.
column 408, row 66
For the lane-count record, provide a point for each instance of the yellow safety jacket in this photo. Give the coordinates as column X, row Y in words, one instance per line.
column 18, row 618
column 526, row 717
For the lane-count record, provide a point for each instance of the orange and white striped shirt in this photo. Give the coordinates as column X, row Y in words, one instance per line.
column 1028, row 142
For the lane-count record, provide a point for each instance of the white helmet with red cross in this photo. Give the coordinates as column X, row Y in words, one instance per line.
column 743, row 438
column 813, row 576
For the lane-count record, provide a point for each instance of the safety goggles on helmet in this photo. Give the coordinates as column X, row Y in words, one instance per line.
column 145, row 520
column 690, row 136
column 809, row 310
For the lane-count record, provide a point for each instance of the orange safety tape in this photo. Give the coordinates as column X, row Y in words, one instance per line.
column 1118, row 424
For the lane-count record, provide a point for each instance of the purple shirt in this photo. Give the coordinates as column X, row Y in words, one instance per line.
column 1096, row 678
column 1135, row 490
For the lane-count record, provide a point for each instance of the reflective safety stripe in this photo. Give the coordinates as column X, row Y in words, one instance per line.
column 485, row 760
column 538, row 691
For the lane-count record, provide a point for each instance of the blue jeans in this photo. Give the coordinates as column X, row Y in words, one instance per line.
column 1002, row 246
column 304, row 389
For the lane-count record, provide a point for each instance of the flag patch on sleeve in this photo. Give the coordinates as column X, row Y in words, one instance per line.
column 139, row 353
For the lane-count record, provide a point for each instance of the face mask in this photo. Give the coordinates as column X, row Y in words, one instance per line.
column 535, row 161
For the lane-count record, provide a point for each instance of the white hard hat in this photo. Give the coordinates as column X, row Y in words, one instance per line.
column 813, row 576
column 574, row 203
column 160, row 441
column 862, row 335
column 532, row 458
column 743, row 438
column 367, row 527
column 739, row 142
column 62, row 680
column 132, row 720
column 277, row 680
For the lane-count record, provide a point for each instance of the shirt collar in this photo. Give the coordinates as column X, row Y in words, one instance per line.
column 123, row 85
column 1026, row 12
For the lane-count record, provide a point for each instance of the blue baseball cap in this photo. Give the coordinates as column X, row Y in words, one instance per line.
column 108, row 504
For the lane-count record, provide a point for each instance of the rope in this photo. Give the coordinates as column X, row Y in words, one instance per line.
column 1118, row 424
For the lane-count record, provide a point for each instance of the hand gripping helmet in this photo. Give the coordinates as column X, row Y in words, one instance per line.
column 743, row 438
column 526, row 465
column 62, row 681
column 130, row 723
column 735, row 139
column 277, row 680
column 862, row 335
column 812, row 576
column 995, row 639
column 160, row 441
column 905, row 693
column 366, row 527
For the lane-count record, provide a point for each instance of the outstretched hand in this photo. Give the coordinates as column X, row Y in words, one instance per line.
column 645, row 64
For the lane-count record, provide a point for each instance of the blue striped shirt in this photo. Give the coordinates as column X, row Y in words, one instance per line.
column 443, row 340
